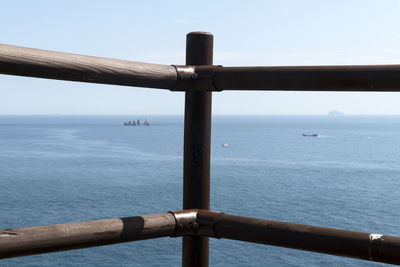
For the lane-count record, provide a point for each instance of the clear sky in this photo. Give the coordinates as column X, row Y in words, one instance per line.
column 246, row 33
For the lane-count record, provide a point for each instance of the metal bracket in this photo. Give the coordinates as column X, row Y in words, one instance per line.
column 195, row 222
column 186, row 222
column 195, row 78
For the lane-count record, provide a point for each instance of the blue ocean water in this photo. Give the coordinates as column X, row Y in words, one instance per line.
column 58, row 169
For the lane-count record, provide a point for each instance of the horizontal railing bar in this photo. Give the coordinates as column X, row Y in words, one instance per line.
column 368, row 78
column 22, row 61
column 52, row 238
column 58, row 237
column 365, row 246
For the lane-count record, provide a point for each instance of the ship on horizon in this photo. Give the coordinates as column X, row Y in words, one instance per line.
column 136, row 123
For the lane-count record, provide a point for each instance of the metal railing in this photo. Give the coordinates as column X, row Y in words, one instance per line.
column 195, row 223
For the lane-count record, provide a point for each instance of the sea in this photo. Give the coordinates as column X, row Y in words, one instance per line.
column 59, row 169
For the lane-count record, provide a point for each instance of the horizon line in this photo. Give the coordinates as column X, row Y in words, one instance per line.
column 141, row 114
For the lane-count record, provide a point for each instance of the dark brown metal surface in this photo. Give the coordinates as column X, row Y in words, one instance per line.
column 197, row 138
column 194, row 223
column 59, row 237
column 366, row 246
column 15, row 60
column 309, row 78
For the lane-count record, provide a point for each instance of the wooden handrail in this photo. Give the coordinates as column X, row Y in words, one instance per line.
column 58, row 237
column 22, row 61
column 199, row 223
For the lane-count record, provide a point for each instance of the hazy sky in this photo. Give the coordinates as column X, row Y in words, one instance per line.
column 246, row 33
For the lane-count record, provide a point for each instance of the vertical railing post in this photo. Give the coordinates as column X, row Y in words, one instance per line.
column 196, row 166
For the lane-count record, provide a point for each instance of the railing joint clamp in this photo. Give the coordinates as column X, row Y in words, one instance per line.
column 195, row 78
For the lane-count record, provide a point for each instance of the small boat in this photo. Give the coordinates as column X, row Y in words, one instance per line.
column 311, row 135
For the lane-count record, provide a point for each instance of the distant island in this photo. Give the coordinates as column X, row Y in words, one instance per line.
column 335, row 113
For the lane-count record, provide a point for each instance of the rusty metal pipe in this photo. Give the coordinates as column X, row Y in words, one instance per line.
column 59, row 237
